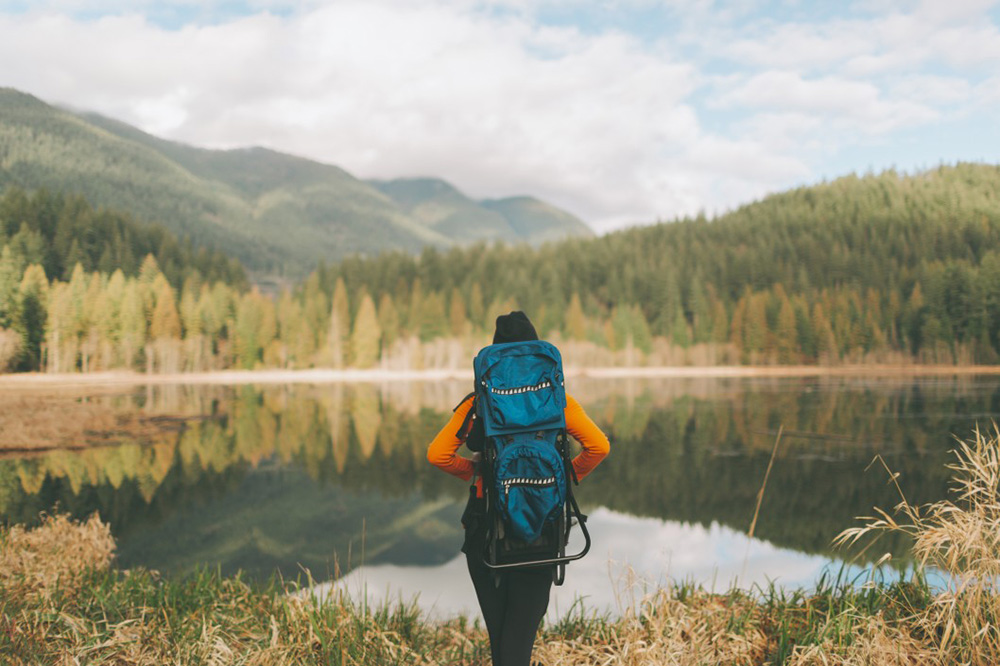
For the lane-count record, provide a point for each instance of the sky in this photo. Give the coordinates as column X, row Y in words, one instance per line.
column 620, row 111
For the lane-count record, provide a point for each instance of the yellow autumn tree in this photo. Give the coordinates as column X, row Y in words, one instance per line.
column 367, row 335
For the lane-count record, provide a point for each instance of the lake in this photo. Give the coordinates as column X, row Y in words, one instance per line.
column 332, row 478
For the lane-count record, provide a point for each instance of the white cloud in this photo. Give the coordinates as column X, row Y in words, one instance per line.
column 896, row 39
column 987, row 96
column 855, row 105
column 496, row 105
column 954, row 10
column 605, row 123
column 797, row 46
column 102, row 7
column 784, row 131
column 789, row 90
column 934, row 90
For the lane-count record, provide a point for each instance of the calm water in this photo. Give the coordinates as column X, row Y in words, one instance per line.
column 334, row 479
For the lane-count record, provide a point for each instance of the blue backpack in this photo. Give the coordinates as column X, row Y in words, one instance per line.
column 527, row 475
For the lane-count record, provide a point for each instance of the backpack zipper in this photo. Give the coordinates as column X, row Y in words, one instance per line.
column 521, row 389
column 524, row 481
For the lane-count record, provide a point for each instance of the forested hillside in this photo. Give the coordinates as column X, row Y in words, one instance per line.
column 277, row 213
column 879, row 267
column 57, row 232
column 885, row 268
column 45, row 236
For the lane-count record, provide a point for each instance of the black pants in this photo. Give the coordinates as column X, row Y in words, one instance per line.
column 513, row 609
column 513, row 603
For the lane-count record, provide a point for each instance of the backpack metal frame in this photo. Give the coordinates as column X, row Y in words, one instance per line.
column 561, row 528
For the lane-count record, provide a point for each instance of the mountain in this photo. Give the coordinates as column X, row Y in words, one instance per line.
column 537, row 220
column 275, row 212
column 441, row 207
column 437, row 205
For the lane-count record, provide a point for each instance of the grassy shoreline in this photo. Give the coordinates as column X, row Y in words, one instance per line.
column 62, row 603
column 59, row 610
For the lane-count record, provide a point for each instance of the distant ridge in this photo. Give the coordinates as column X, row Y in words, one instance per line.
column 544, row 222
column 442, row 207
column 439, row 206
column 275, row 212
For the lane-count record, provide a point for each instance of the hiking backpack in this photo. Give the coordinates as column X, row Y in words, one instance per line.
column 526, row 473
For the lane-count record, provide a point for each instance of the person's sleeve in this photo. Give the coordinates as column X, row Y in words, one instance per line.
column 593, row 440
column 443, row 451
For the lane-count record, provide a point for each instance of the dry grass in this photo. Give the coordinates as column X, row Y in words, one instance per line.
column 961, row 538
column 61, row 604
column 700, row 629
column 875, row 643
column 54, row 556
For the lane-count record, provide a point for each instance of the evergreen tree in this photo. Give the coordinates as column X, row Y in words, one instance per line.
column 251, row 330
column 190, row 318
column 316, row 311
column 476, row 306
column 388, row 319
column 34, row 291
column 295, row 339
column 339, row 326
column 826, row 343
column 457, row 321
column 786, row 334
column 366, row 337
column 431, row 320
column 133, row 323
column 59, row 334
column 680, row 332
column 576, row 321
column 166, row 322
column 10, row 276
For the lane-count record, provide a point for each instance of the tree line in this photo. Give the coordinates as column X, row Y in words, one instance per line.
column 58, row 231
column 881, row 267
column 878, row 268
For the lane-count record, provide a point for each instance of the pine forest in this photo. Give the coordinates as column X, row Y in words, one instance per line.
column 886, row 268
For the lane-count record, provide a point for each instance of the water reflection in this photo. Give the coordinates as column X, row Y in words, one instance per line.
column 630, row 557
column 327, row 477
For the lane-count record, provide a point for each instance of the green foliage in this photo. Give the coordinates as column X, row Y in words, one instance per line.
column 116, row 288
column 859, row 266
column 58, row 232
column 367, row 335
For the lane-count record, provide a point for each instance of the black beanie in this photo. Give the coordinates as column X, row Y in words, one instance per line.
column 514, row 327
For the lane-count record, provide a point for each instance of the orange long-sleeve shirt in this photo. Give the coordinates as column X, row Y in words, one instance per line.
column 443, row 450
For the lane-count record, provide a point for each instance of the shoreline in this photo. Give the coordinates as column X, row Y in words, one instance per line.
column 379, row 376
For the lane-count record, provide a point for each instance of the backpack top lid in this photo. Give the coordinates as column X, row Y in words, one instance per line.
column 519, row 387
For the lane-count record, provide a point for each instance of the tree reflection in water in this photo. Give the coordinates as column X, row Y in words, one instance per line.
column 274, row 477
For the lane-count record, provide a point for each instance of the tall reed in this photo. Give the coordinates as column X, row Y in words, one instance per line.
column 959, row 537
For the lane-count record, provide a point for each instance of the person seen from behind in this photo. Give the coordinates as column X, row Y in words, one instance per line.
column 513, row 601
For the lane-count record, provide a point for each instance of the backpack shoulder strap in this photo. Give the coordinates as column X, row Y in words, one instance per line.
column 462, row 401
column 463, row 430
